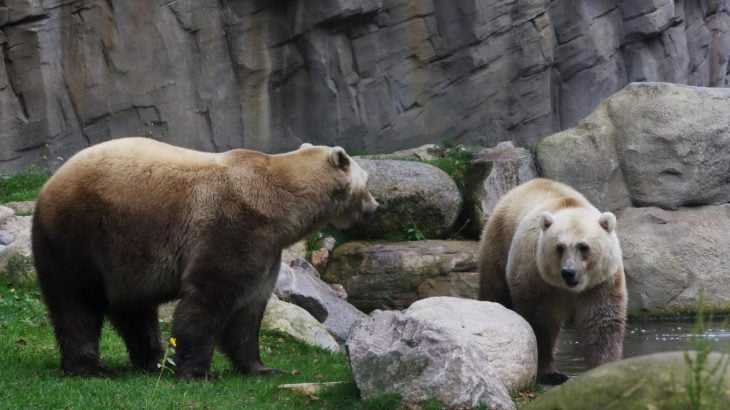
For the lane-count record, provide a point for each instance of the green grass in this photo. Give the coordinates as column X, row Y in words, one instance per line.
column 30, row 375
column 703, row 381
column 22, row 187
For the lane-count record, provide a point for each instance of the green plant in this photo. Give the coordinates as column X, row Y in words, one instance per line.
column 455, row 162
column 703, row 381
column 413, row 233
column 23, row 186
column 312, row 243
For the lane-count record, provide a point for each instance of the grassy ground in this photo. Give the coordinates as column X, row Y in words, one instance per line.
column 21, row 187
column 30, row 375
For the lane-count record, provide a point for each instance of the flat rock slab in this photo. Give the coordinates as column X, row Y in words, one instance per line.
column 391, row 275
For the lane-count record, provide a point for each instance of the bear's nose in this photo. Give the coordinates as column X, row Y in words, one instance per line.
column 569, row 276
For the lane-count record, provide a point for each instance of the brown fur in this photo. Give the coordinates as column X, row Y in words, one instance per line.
column 126, row 225
column 525, row 275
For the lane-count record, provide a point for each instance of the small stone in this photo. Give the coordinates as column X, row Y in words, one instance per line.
column 5, row 238
column 320, row 257
column 339, row 290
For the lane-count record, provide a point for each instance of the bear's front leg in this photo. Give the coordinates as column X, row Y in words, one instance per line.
column 547, row 331
column 197, row 323
column 547, row 322
column 602, row 322
column 240, row 339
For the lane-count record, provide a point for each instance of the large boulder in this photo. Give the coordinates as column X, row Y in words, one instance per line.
column 381, row 275
column 505, row 337
column 394, row 353
column 656, row 381
column 492, row 173
column 651, row 144
column 299, row 285
column 671, row 257
column 413, row 196
column 296, row 322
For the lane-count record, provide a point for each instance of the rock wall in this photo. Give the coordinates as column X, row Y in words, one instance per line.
column 372, row 75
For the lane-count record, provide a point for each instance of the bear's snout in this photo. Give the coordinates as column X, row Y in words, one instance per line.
column 569, row 276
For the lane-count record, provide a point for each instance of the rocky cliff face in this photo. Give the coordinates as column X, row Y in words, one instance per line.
column 373, row 75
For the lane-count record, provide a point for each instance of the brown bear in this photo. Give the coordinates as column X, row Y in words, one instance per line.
column 128, row 224
column 551, row 256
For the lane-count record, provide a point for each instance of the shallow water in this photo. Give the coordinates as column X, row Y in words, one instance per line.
column 644, row 337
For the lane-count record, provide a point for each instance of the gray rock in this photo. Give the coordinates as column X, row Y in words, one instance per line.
column 298, row 286
column 670, row 257
column 464, row 284
column 18, row 228
column 372, row 75
column 649, row 145
column 412, row 195
column 5, row 238
column 493, row 172
column 424, row 153
column 389, row 275
column 21, row 207
column 505, row 338
column 653, row 381
column 394, row 353
column 294, row 252
column 673, row 143
column 298, row 323
column 5, row 214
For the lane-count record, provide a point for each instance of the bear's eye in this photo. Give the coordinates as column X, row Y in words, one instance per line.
column 560, row 248
column 584, row 248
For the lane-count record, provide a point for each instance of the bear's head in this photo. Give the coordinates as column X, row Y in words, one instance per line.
column 354, row 199
column 578, row 248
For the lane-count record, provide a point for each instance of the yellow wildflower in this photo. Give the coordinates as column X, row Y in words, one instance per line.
column 173, row 342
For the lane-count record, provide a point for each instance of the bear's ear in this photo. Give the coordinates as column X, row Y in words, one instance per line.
column 546, row 219
column 339, row 158
column 607, row 220
column 305, row 145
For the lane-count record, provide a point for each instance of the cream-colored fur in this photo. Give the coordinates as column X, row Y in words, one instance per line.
column 550, row 255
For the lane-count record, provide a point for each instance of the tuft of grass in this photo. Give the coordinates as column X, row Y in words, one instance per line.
column 22, row 187
column 703, row 381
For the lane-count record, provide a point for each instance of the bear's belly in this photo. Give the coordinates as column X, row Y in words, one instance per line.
column 139, row 290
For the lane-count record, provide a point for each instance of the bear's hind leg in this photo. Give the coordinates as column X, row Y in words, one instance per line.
column 77, row 325
column 491, row 264
column 240, row 340
column 141, row 333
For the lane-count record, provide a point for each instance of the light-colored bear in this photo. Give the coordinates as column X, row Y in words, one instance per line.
column 551, row 256
column 131, row 223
